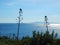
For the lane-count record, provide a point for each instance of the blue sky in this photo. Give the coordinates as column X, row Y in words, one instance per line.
column 33, row 10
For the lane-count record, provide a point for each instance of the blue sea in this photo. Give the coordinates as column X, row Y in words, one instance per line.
column 25, row 29
column 12, row 28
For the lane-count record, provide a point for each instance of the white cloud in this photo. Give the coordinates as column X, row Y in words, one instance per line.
column 34, row 2
column 9, row 3
column 50, row 3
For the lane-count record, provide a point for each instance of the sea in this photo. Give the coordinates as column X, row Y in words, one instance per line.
column 26, row 29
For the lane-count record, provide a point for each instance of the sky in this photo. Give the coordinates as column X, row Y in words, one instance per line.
column 33, row 10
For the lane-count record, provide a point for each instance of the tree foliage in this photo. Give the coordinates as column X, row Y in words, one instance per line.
column 36, row 39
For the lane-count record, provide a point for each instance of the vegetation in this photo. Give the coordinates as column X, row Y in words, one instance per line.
column 36, row 39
